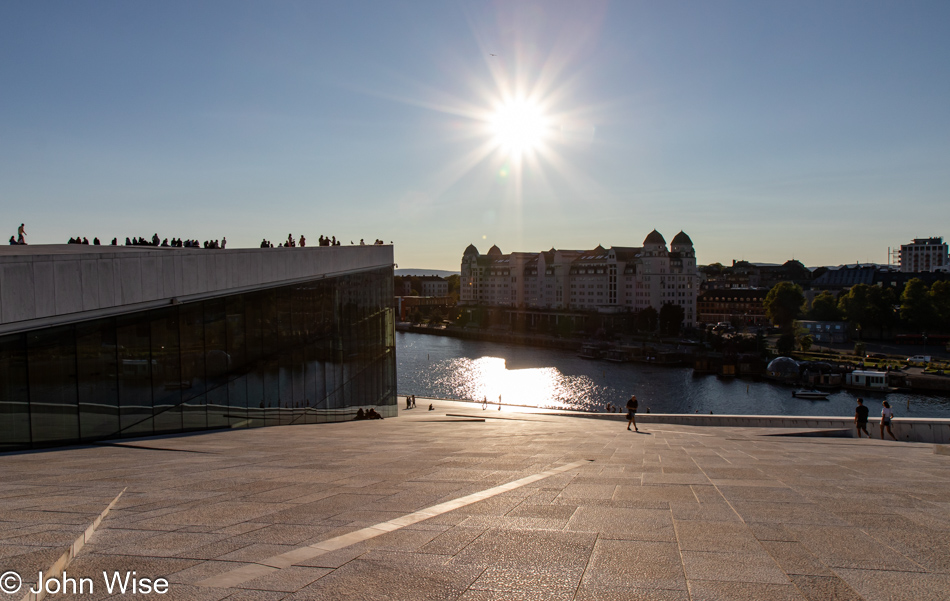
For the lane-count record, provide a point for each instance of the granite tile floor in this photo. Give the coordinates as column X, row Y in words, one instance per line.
column 672, row 513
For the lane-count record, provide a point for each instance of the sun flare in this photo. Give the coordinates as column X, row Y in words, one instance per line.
column 519, row 126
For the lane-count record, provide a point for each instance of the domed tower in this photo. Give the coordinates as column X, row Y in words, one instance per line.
column 654, row 256
column 683, row 245
column 468, row 281
column 494, row 251
column 654, row 242
column 686, row 278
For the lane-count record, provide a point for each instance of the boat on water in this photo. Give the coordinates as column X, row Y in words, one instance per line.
column 811, row 395
column 618, row 355
column 589, row 351
column 866, row 380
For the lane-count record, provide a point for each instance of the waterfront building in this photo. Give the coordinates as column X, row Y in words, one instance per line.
column 736, row 306
column 102, row 342
column 825, row 332
column 745, row 274
column 605, row 280
column 924, row 254
column 837, row 279
column 433, row 285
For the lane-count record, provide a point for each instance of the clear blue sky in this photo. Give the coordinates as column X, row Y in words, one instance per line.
column 765, row 130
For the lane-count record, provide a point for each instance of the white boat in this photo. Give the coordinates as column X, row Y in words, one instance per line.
column 868, row 381
column 811, row 395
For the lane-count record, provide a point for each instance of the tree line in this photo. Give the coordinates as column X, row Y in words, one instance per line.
column 917, row 308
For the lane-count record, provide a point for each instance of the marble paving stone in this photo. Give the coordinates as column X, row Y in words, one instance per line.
column 763, row 494
column 588, row 491
column 388, row 579
column 535, row 595
column 628, row 593
column 726, row 537
column 530, row 578
column 452, row 541
column 881, row 585
column 706, row 512
column 625, row 524
column 821, row 588
column 733, row 567
column 513, row 523
column 622, row 564
column 681, row 493
column 795, row 559
column 755, row 517
column 252, row 595
column 840, row 547
column 287, row 580
column 519, row 547
column 767, row 531
column 710, row 590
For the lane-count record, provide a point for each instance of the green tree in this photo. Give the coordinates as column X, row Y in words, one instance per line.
column 940, row 297
column 868, row 306
column 647, row 319
column 785, row 344
column 917, row 307
column 783, row 304
column 805, row 343
column 454, row 282
column 824, row 307
column 671, row 319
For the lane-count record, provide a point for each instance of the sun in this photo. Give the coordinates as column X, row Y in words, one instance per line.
column 519, row 126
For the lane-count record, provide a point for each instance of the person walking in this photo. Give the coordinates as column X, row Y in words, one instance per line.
column 886, row 416
column 21, row 234
column 861, row 418
column 632, row 405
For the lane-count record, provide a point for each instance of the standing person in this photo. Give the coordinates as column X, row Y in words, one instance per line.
column 886, row 416
column 21, row 234
column 861, row 418
column 632, row 413
column 499, row 402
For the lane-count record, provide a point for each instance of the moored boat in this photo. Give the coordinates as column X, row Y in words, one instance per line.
column 811, row 395
column 589, row 351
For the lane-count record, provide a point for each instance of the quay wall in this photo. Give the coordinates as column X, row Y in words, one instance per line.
column 910, row 429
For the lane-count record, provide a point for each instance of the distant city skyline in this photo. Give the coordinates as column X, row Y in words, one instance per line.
column 765, row 131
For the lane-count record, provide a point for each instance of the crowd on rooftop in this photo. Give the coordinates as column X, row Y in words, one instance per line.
column 291, row 242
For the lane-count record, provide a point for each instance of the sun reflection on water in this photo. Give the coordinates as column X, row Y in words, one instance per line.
column 489, row 377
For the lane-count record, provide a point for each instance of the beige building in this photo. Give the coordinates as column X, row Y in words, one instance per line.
column 924, row 254
column 616, row 279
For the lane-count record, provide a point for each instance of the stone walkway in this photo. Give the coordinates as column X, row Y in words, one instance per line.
column 519, row 506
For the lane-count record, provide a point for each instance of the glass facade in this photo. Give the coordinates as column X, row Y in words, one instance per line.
column 296, row 354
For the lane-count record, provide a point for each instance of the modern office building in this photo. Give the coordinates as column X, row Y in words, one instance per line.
column 924, row 254
column 101, row 342
column 618, row 279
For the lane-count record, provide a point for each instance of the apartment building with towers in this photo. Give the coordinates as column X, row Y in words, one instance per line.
column 607, row 280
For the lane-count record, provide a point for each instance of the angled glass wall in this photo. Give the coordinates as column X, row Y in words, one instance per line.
column 302, row 353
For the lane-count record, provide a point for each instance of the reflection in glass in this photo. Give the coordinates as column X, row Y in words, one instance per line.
column 14, row 393
column 166, row 371
column 133, row 340
column 293, row 354
column 54, row 409
column 98, row 381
